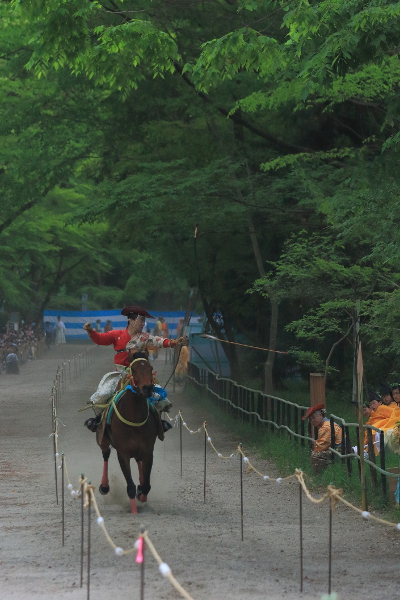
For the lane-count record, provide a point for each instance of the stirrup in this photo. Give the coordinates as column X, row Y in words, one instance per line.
column 92, row 423
column 166, row 426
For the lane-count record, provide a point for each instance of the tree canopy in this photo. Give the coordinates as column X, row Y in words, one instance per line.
column 274, row 126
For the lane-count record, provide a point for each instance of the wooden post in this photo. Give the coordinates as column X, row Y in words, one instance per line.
column 317, row 389
column 301, row 537
column 359, row 365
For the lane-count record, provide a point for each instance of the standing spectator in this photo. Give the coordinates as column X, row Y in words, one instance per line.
column 97, row 327
column 157, row 328
column 164, row 328
column 60, row 332
column 48, row 332
column 108, row 327
column 178, row 329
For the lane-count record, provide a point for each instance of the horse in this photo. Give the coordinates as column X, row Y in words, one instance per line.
column 132, row 432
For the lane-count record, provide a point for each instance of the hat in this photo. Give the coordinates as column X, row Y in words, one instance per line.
column 385, row 389
column 313, row 409
column 373, row 396
column 135, row 310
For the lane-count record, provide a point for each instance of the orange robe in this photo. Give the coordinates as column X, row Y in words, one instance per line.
column 379, row 418
column 392, row 421
column 323, row 441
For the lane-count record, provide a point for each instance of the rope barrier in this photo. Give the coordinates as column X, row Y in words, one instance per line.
column 88, row 491
column 164, row 568
column 332, row 493
column 298, row 435
column 87, row 495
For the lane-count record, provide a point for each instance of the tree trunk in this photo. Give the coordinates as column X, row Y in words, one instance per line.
column 273, row 329
column 328, row 360
column 273, row 333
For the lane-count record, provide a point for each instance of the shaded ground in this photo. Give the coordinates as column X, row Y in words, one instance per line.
column 201, row 543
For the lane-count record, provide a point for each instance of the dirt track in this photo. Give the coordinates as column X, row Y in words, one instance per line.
column 201, row 543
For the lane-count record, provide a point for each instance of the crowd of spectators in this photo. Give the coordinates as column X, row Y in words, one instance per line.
column 18, row 347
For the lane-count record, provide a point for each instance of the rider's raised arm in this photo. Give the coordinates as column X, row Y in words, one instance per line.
column 103, row 339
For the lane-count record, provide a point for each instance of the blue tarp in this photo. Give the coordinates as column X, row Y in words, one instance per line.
column 74, row 320
column 209, row 354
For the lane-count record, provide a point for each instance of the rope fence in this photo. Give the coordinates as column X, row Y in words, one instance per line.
column 278, row 415
column 85, row 491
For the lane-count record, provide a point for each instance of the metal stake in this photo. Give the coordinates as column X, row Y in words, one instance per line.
column 301, row 536
column 142, row 569
column 330, row 548
column 241, row 492
column 82, row 532
column 62, row 499
column 205, row 461
column 55, row 461
column 180, row 439
column 88, row 547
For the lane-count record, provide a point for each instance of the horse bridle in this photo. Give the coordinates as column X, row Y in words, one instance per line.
column 130, row 366
column 120, row 417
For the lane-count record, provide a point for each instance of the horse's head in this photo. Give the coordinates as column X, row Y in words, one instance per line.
column 142, row 374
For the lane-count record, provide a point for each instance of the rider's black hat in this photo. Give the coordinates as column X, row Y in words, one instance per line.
column 130, row 311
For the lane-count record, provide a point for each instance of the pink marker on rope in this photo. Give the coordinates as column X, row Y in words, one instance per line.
column 139, row 545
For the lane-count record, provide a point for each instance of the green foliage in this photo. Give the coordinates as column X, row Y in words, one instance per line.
column 312, row 360
column 162, row 116
column 323, row 274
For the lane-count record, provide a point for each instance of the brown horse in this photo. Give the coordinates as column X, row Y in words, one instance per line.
column 132, row 432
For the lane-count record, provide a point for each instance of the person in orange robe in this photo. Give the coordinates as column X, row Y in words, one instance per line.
column 321, row 455
column 378, row 415
column 387, row 395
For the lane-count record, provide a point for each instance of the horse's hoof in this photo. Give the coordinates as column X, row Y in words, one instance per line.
column 134, row 509
column 104, row 489
column 142, row 498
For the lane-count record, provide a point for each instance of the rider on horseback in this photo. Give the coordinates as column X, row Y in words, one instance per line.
column 127, row 343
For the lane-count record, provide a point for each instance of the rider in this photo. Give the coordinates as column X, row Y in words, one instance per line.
column 126, row 343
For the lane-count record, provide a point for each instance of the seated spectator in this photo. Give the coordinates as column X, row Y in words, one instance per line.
column 387, row 395
column 12, row 367
column 321, row 455
column 396, row 392
column 378, row 415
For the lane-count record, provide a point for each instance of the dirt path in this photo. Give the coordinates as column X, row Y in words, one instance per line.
column 201, row 543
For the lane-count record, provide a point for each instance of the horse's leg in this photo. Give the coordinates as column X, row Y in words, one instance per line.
column 104, row 485
column 140, row 469
column 144, row 488
column 125, row 464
